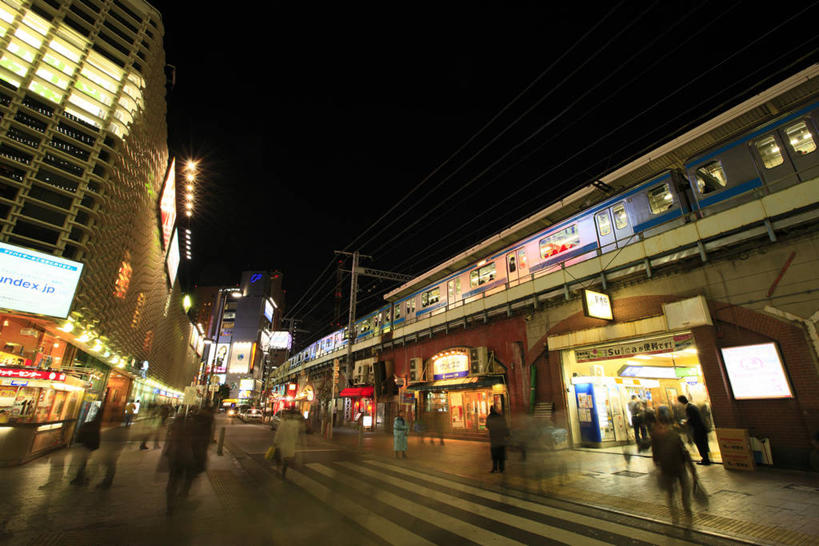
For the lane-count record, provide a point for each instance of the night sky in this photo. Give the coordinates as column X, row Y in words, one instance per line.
column 411, row 133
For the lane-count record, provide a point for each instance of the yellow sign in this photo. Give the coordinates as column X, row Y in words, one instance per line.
column 735, row 448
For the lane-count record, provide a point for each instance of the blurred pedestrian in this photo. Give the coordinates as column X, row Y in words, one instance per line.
column 287, row 434
column 180, row 461
column 400, row 429
column 89, row 437
column 130, row 410
column 697, row 427
column 152, row 426
column 498, row 437
column 201, row 434
column 108, row 456
column 672, row 460
column 637, row 409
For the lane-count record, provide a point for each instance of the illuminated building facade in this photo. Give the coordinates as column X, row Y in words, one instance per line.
column 84, row 167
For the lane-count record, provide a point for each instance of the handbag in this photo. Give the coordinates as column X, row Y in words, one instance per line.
column 270, row 454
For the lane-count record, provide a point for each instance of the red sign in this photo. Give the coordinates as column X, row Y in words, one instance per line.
column 17, row 373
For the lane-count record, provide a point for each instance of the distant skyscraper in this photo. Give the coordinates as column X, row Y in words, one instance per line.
column 84, row 165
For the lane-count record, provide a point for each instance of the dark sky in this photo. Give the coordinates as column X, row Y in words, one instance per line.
column 411, row 132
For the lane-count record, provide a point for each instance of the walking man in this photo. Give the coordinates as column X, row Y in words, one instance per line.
column 699, row 430
column 498, row 436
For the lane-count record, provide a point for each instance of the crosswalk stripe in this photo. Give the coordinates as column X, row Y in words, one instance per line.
column 444, row 521
column 531, row 526
column 378, row 525
column 615, row 528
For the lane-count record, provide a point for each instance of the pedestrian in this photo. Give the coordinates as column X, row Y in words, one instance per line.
column 130, row 409
column 400, row 429
column 498, row 436
column 287, row 434
column 636, row 408
column 89, row 437
column 201, row 434
column 672, row 459
column 180, row 461
column 697, row 427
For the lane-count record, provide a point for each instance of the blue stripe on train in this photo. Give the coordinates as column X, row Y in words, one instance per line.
column 730, row 192
column 670, row 215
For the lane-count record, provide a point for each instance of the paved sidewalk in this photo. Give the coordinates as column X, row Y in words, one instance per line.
column 767, row 506
column 39, row 505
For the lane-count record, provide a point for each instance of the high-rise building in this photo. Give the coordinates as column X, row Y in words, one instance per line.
column 87, row 188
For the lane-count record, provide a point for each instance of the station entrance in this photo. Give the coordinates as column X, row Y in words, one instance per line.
column 601, row 381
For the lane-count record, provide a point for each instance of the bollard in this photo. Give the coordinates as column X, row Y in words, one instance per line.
column 221, row 441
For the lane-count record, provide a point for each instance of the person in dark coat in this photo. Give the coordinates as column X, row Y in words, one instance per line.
column 498, row 437
column 182, row 463
column 89, row 437
column 699, row 430
column 672, row 459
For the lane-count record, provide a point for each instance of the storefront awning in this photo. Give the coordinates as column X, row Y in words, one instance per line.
column 355, row 392
column 474, row 382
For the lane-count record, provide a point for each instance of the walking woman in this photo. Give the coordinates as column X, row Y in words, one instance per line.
column 400, row 430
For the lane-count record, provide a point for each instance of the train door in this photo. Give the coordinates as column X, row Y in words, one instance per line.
column 512, row 268
column 800, row 137
column 774, row 168
column 623, row 230
column 453, row 290
column 605, row 231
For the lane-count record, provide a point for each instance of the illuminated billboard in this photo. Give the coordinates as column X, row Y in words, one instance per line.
column 34, row 282
column 268, row 310
column 167, row 205
column 756, row 372
column 240, row 357
column 280, row 340
column 172, row 259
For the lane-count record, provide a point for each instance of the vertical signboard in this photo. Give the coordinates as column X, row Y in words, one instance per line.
column 167, row 205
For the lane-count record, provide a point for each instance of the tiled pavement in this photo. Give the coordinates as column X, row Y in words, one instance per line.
column 766, row 506
column 39, row 506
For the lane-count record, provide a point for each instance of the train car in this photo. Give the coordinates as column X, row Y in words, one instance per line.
column 766, row 159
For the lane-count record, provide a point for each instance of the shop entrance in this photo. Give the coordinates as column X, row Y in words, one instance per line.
column 601, row 381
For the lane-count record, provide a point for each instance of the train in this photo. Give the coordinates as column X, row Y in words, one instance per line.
column 775, row 154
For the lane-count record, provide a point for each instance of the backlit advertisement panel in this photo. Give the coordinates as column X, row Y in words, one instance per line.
column 34, row 282
column 756, row 372
column 172, row 259
column 240, row 357
column 167, row 205
column 280, row 340
column 219, row 357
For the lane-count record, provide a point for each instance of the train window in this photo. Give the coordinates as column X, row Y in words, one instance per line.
column 603, row 223
column 512, row 265
column 483, row 275
column 660, row 199
column 800, row 138
column 430, row 297
column 559, row 242
column 710, row 177
column 769, row 152
column 410, row 306
column 397, row 312
column 522, row 259
column 620, row 218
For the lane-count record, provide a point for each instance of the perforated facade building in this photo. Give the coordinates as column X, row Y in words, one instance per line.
column 83, row 158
